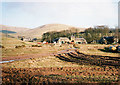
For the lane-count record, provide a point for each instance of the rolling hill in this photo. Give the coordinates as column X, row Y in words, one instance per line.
column 13, row 28
column 6, row 31
column 38, row 31
column 11, row 31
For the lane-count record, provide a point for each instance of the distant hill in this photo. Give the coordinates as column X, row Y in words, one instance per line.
column 6, row 31
column 11, row 31
column 13, row 28
column 38, row 31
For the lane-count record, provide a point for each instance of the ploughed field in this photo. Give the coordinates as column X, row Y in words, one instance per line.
column 60, row 75
column 77, row 68
column 83, row 59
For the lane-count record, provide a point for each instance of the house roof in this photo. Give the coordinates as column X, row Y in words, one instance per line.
column 67, row 39
column 63, row 38
column 79, row 39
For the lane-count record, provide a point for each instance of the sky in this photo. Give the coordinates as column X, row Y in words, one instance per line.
column 79, row 13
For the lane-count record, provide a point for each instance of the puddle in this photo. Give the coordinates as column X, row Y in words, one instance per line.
column 6, row 61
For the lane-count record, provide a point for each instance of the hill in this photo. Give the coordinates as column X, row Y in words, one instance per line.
column 9, row 42
column 13, row 28
column 38, row 31
column 6, row 31
column 11, row 31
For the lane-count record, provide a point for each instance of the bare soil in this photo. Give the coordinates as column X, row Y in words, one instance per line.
column 95, row 69
column 84, row 67
column 59, row 75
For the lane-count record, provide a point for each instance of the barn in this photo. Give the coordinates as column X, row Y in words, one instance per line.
column 63, row 40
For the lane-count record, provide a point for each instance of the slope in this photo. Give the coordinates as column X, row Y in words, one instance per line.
column 37, row 32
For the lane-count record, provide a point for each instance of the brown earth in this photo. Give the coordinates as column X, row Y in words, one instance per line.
column 83, row 59
column 60, row 75
column 98, row 70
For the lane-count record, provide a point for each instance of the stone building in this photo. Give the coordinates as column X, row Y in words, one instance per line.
column 63, row 40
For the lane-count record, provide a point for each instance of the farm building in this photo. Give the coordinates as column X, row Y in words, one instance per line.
column 23, row 38
column 63, row 40
column 27, row 39
column 78, row 40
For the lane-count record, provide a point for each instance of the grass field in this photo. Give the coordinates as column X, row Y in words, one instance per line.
column 97, row 49
column 10, row 50
column 89, row 63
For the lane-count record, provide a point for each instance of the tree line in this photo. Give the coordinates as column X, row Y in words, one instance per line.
column 90, row 34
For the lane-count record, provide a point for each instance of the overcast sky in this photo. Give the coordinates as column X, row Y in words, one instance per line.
column 79, row 13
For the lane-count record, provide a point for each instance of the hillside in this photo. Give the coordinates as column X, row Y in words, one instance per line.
column 6, row 31
column 37, row 32
column 8, row 42
column 13, row 28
